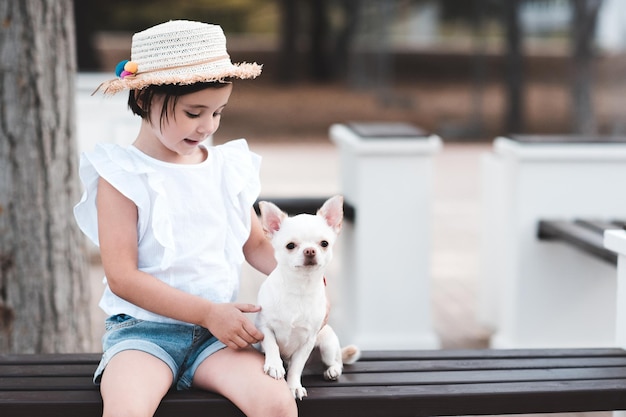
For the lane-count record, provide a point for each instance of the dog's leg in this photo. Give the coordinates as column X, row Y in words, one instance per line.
column 296, row 366
column 273, row 362
column 330, row 351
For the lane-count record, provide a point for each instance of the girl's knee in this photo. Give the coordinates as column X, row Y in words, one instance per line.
column 273, row 399
column 279, row 406
column 133, row 384
column 239, row 376
column 125, row 405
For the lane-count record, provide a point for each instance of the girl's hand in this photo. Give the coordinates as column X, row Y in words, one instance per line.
column 230, row 325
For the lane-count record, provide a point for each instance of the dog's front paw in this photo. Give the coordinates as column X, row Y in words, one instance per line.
column 274, row 369
column 298, row 391
column 332, row 373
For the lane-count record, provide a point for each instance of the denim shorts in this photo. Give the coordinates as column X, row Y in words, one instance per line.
column 182, row 347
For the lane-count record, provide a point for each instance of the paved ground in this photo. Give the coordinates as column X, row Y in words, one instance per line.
column 454, row 109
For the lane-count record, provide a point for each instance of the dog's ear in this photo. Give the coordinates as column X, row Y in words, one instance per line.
column 271, row 217
column 332, row 212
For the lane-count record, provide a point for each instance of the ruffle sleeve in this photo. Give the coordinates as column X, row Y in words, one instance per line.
column 241, row 187
column 144, row 186
column 124, row 172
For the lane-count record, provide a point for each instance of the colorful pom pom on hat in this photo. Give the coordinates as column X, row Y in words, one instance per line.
column 126, row 68
column 177, row 52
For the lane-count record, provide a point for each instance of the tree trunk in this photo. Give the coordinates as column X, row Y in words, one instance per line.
column 86, row 21
column 288, row 54
column 583, row 30
column 351, row 9
column 319, row 51
column 44, row 293
column 514, row 68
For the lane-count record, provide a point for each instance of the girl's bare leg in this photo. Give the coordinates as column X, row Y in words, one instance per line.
column 238, row 375
column 133, row 384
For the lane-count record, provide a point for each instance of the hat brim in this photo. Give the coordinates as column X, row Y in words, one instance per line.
column 211, row 74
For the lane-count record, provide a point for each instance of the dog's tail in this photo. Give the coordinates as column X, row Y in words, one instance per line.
column 350, row 354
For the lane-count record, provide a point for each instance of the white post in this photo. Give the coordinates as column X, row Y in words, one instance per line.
column 538, row 293
column 386, row 173
column 615, row 240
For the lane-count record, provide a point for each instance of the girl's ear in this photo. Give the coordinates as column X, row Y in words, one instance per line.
column 137, row 103
column 139, row 100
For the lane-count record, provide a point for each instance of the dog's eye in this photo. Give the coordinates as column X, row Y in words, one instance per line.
column 324, row 243
column 291, row 245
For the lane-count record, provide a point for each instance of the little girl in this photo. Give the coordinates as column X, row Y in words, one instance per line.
column 174, row 222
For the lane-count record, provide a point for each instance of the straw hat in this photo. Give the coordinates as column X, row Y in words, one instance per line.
column 177, row 52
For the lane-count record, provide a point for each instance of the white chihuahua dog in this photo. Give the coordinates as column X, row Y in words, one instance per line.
column 293, row 297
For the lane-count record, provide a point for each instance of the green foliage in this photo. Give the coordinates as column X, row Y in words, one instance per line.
column 136, row 15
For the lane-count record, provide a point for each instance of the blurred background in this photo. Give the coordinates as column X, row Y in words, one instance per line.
column 466, row 70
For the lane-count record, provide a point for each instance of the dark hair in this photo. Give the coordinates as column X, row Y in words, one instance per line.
column 140, row 101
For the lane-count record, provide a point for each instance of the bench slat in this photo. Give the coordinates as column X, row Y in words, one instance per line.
column 390, row 355
column 374, row 362
column 486, row 364
column 47, row 358
column 41, row 371
column 466, row 354
column 25, row 370
column 393, row 383
column 370, row 379
column 482, row 376
column 579, row 234
column 476, row 399
column 597, row 225
column 401, row 373
column 70, row 383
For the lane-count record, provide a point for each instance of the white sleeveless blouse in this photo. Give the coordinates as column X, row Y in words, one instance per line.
column 193, row 220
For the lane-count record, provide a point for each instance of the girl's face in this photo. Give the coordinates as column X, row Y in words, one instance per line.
column 193, row 119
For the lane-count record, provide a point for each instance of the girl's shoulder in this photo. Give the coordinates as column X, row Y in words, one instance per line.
column 240, row 177
column 115, row 157
column 236, row 147
column 237, row 155
column 120, row 168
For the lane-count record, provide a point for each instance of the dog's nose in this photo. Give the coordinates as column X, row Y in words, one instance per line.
column 309, row 252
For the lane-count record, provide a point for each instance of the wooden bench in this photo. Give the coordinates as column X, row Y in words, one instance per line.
column 382, row 383
column 584, row 234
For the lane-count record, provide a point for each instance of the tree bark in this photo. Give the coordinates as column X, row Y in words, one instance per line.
column 44, row 293
column 514, row 68
column 288, row 54
column 583, row 30
column 319, row 53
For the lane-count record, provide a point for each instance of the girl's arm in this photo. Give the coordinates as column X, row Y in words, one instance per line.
column 258, row 249
column 117, row 229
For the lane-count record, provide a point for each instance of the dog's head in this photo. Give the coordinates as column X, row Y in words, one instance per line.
column 304, row 241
